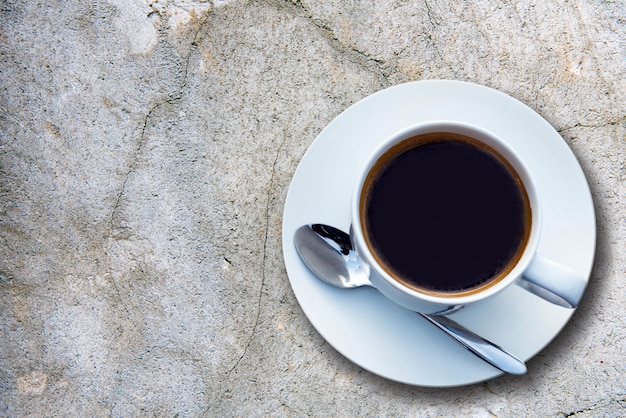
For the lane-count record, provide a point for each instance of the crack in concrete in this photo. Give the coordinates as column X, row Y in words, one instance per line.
column 582, row 125
column 377, row 66
column 18, row 121
column 434, row 23
column 263, row 275
column 132, row 167
column 173, row 98
column 602, row 404
column 429, row 12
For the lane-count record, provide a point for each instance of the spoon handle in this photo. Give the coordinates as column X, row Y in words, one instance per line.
column 488, row 351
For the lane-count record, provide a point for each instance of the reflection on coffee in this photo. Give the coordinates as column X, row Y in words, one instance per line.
column 445, row 214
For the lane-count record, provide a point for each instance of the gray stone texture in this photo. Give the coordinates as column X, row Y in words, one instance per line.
column 146, row 148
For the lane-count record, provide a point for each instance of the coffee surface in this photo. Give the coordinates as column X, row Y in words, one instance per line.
column 444, row 214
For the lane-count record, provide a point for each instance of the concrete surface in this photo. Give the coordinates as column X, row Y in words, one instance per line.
column 146, row 148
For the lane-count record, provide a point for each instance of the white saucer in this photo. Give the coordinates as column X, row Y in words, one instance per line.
column 391, row 341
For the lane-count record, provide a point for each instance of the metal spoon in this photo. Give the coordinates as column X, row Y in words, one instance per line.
column 328, row 253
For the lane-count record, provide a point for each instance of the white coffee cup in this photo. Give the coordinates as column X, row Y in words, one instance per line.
column 544, row 277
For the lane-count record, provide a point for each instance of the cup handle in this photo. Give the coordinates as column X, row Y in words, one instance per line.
column 553, row 282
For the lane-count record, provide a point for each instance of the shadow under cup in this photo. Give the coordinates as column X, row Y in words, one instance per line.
column 445, row 211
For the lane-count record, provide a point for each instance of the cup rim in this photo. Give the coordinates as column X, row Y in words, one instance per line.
column 479, row 134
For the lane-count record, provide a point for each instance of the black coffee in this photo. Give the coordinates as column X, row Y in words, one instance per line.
column 445, row 214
